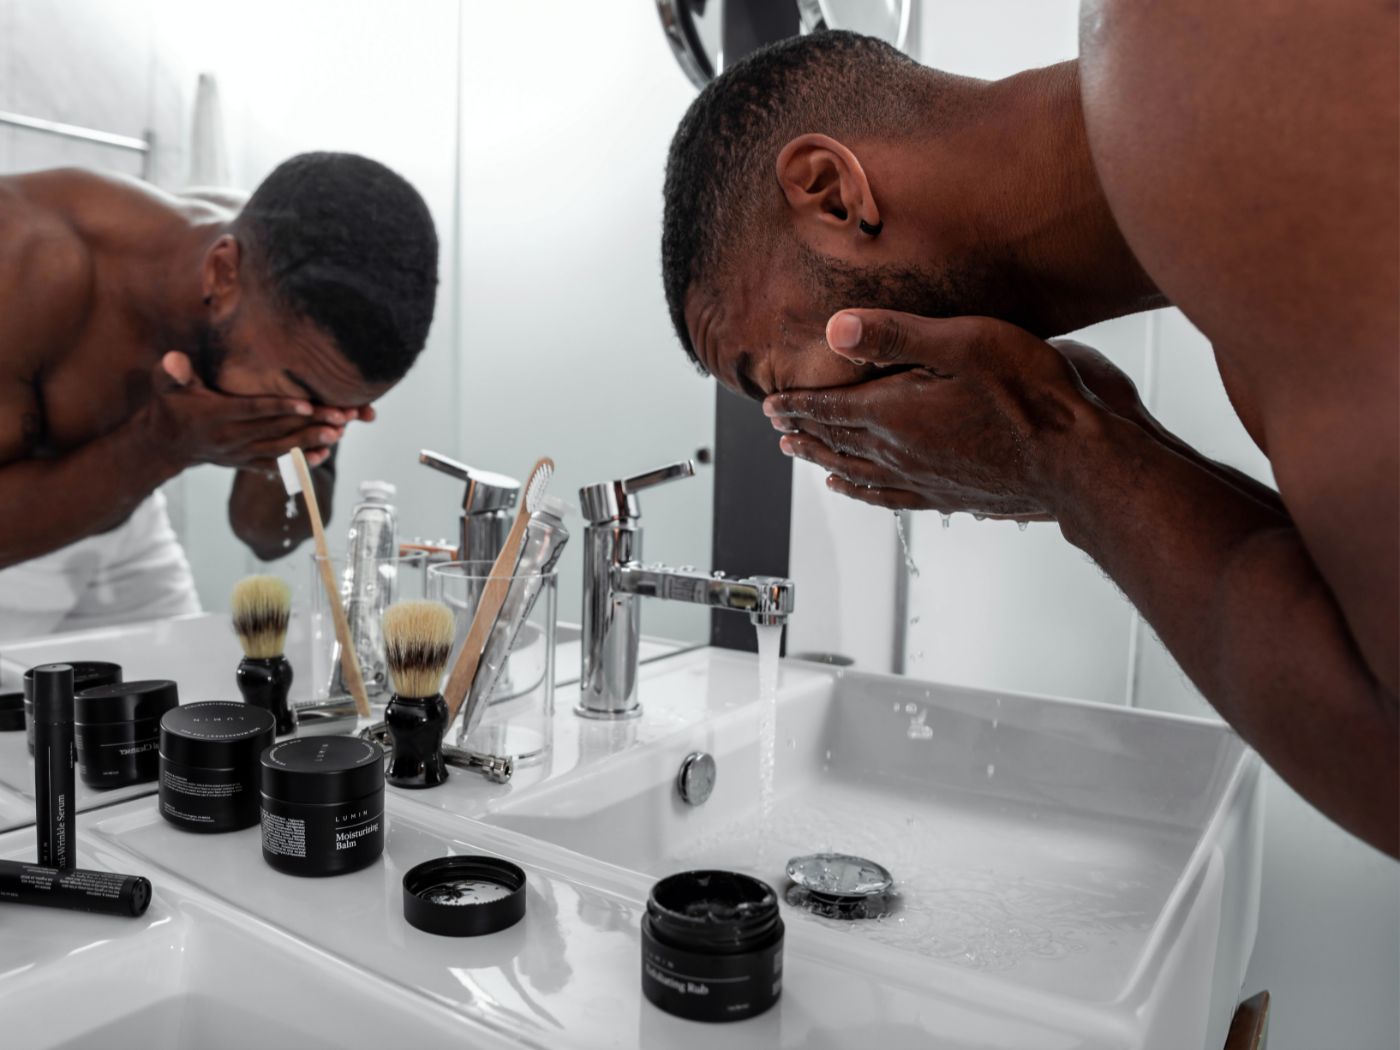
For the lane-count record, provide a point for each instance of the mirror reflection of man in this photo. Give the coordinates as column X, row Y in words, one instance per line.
column 1185, row 158
column 143, row 333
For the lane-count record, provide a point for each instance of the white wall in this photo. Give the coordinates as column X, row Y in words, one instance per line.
column 1003, row 609
column 567, row 112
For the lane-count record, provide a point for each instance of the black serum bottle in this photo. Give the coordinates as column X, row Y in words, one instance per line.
column 54, row 787
column 416, row 727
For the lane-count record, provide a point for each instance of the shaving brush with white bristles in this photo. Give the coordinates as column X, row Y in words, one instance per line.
column 262, row 608
column 417, row 643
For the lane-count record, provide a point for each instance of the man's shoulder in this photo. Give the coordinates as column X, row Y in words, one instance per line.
column 46, row 267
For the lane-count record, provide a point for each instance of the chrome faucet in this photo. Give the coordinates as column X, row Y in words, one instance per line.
column 614, row 578
column 486, row 507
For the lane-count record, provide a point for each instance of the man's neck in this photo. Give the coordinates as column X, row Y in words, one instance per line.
column 1047, row 224
column 163, row 285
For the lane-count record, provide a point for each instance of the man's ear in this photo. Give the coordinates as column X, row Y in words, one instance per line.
column 220, row 277
column 826, row 188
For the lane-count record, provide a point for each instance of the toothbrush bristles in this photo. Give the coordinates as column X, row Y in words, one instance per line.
column 539, row 481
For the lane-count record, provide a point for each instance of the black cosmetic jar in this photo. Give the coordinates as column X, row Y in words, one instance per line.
column 12, row 712
column 117, row 730
column 322, row 805
column 712, row 946
column 86, row 674
column 209, row 764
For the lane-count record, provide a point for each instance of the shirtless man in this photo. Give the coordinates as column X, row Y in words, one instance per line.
column 143, row 333
column 1236, row 160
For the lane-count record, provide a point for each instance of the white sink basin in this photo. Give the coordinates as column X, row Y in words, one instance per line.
column 1072, row 877
column 1045, row 848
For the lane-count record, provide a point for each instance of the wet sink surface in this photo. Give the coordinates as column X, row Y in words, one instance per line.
column 1043, row 845
column 1069, row 877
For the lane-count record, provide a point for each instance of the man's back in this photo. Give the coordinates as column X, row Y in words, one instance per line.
column 1249, row 153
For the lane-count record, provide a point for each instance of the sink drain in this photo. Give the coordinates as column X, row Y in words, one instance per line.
column 840, row 886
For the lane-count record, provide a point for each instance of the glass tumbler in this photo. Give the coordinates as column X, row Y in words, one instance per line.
column 393, row 579
column 516, row 717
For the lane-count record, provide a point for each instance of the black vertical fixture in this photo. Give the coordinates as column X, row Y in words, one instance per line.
column 753, row 507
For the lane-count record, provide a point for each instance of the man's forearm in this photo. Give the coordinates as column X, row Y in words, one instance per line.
column 55, row 502
column 1227, row 584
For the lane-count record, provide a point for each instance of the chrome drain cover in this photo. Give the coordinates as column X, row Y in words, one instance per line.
column 840, row 886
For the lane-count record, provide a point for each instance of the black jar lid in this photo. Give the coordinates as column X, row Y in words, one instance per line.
column 714, row 911
column 464, row 896
column 216, row 734
column 322, row 769
column 86, row 674
column 125, row 701
column 11, row 711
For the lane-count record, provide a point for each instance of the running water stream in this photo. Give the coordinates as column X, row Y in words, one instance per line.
column 769, row 641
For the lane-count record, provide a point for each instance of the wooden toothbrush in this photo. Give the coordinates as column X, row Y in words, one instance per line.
column 494, row 594
column 299, row 480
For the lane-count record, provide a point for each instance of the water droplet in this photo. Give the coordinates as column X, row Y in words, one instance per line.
column 910, row 708
column 291, row 507
column 828, row 755
column 991, row 770
column 909, row 565
column 947, row 519
column 1021, row 525
column 913, row 621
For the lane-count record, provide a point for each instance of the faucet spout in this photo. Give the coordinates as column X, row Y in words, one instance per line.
column 767, row 599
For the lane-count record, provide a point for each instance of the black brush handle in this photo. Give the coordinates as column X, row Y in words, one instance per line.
column 265, row 683
column 416, row 728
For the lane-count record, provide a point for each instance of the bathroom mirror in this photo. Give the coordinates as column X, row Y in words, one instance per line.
column 542, row 172
column 705, row 35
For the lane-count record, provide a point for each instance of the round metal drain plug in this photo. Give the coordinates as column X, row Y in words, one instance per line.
column 840, row 886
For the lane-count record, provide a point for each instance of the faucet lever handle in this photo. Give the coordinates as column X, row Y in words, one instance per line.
column 485, row 492
column 615, row 500
column 671, row 472
column 442, row 463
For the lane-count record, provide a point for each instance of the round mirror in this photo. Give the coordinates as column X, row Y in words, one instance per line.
column 705, row 35
column 886, row 19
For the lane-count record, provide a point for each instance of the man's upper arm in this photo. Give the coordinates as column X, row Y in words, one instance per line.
column 44, row 283
column 1337, row 472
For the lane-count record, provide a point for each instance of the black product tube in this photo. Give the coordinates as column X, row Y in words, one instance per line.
column 53, row 765
column 74, row 889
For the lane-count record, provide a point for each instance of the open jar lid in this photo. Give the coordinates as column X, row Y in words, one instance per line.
column 464, row 896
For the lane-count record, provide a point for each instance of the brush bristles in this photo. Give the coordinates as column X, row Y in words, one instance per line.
column 262, row 605
column 417, row 643
column 537, row 483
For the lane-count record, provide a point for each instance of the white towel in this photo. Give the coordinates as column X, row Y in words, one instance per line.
column 137, row 571
column 208, row 154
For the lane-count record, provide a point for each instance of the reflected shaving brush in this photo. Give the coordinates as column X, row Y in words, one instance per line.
column 262, row 607
column 417, row 643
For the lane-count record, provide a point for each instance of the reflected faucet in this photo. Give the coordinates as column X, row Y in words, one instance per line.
column 614, row 578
